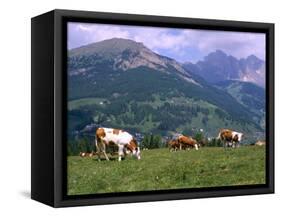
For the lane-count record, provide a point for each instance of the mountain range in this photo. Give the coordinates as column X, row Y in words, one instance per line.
column 122, row 83
column 218, row 66
column 123, row 54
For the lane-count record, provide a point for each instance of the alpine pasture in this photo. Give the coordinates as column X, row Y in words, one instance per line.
column 162, row 169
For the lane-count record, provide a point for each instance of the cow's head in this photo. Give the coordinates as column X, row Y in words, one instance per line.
column 136, row 153
column 134, row 149
column 197, row 145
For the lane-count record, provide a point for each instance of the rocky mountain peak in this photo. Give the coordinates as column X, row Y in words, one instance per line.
column 218, row 66
column 125, row 54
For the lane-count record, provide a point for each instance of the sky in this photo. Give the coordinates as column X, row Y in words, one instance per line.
column 180, row 44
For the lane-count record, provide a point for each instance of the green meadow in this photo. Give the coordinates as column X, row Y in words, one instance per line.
column 161, row 169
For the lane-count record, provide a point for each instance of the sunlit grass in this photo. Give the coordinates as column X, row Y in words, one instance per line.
column 161, row 169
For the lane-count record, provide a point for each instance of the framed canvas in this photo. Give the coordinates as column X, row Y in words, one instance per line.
column 134, row 108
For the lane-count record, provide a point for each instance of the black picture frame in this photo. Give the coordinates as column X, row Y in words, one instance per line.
column 48, row 147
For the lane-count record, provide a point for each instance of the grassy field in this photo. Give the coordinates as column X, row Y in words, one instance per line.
column 161, row 169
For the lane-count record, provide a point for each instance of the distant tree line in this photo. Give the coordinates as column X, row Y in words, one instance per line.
column 83, row 144
column 152, row 142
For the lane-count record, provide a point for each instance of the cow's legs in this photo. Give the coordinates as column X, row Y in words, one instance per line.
column 101, row 148
column 98, row 153
column 98, row 149
column 225, row 144
column 104, row 152
column 120, row 152
column 235, row 145
column 106, row 157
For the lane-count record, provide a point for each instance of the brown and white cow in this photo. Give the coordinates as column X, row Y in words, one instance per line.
column 230, row 138
column 186, row 142
column 183, row 143
column 86, row 154
column 173, row 145
column 260, row 143
column 124, row 140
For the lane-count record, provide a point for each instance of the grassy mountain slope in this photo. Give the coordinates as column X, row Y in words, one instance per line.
column 247, row 94
column 145, row 100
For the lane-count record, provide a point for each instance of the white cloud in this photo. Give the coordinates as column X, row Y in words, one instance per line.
column 174, row 42
column 81, row 34
column 238, row 44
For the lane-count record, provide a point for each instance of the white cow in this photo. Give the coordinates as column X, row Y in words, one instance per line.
column 230, row 137
column 125, row 142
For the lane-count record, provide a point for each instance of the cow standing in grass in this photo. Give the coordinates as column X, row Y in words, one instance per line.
column 86, row 154
column 260, row 143
column 173, row 145
column 122, row 139
column 186, row 142
column 183, row 143
column 230, row 138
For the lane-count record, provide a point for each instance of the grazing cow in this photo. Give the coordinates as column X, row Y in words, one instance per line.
column 187, row 142
column 86, row 154
column 82, row 154
column 173, row 145
column 260, row 143
column 122, row 139
column 230, row 138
